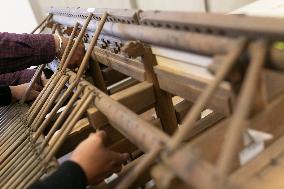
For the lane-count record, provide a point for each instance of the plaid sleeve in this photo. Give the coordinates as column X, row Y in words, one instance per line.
column 20, row 51
column 16, row 78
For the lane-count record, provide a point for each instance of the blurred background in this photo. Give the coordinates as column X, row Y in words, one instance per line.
column 21, row 16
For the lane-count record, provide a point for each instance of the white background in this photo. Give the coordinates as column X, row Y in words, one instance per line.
column 16, row 16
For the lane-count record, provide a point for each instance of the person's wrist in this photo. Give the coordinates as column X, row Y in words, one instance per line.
column 84, row 168
column 56, row 42
column 60, row 45
column 14, row 93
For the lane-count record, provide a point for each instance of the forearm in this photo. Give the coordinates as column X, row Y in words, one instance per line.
column 16, row 78
column 9, row 94
column 69, row 175
column 20, row 51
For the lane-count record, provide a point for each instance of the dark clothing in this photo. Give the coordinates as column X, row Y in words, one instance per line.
column 20, row 51
column 5, row 96
column 17, row 78
column 69, row 175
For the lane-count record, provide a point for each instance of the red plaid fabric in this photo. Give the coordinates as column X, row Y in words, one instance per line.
column 20, row 51
column 16, row 78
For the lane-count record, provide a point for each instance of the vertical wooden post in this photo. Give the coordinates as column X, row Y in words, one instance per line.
column 243, row 108
column 97, row 75
column 164, row 105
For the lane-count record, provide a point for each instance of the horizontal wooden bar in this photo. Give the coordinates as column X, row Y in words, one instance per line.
column 138, row 131
column 138, row 98
column 187, row 41
column 122, row 64
column 112, row 76
column 229, row 25
column 182, row 84
column 204, row 37
column 121, row 85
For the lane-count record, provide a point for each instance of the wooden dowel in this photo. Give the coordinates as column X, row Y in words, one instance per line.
column 62, row 116
column 38, row 73
column 49, row 103
column 192, row 115
column 54, row 110
column 243, row 108
column 68, row 46
column 67, row 49
column 48, row 17
column 141, row 167
column 35, row 78
column 79, row 39
column 200, row 104
column 63, row 134
column 87, row 56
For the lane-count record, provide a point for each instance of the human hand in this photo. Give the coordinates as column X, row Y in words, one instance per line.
column 77, row 56
column 19, row 91
column 97, row 161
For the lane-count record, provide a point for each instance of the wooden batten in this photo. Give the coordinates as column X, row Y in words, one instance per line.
column 131, row 98
column 183, row 85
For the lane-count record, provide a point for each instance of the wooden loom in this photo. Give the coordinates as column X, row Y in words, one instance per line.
column 151, row 73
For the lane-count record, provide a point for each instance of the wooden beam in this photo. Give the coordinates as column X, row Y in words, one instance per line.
column 127, row 66
column 190, row 168
column 209, row 144
column 165, row 178
column 121, row 85
column 112, row 76
column 138, row 98
column 144, row 135
column 97, row 75
column 269, row 120
column 205, row 124
column 164, row 105
column 273, row 83
column 190, row 88
column 268, row 158
column 270, row 177
column 181, row 108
